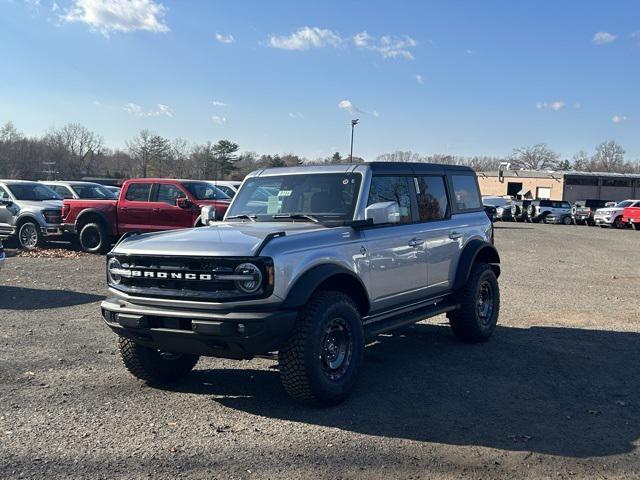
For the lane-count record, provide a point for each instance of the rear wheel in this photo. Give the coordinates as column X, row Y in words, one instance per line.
column 477, row 316
column 567, row 220
column 29, row 236
column 618, row 223
column 320, row 363
column 153, row 366
column 94, row 238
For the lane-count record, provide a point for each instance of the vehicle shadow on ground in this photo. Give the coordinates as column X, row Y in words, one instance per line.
column 557, row 391
column 23, row 298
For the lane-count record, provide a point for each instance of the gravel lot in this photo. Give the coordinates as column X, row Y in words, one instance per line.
column 555, row 393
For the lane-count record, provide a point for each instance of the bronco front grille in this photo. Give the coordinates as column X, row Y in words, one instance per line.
column 197, row 278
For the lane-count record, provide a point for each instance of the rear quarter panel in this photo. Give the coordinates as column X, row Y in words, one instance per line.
column 631, row 213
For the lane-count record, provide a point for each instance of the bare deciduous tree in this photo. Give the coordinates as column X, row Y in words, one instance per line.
column 536, row 157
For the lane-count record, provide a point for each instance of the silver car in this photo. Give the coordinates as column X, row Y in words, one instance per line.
column 30, row 212
column 330, row 257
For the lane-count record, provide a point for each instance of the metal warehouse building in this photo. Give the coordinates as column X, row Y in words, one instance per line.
column 569, row 185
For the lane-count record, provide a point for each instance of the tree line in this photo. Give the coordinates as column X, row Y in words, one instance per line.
column 73, row 152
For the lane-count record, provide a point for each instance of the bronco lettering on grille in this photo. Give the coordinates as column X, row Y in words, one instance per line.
column 171, row 275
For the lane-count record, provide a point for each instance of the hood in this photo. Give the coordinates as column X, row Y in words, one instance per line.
column 609, row 210
column 225, row 239
column 35, row 205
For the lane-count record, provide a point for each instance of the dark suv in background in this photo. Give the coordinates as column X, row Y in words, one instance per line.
column 583, row 211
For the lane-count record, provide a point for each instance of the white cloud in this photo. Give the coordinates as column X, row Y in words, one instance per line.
column 618, row 119
column 555, row 106
column 470, row 52
column 219, row 120
column 600, row 38
column 217, row 103
column 225, row 38
column 376, row 114
column 305, row 38
column 419, row 79
column 295, row 115
column 353, row 110
column 139, row 111
column 107, row 16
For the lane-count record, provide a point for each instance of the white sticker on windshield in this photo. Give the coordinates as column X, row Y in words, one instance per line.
column 273, row 205
column 284, row 193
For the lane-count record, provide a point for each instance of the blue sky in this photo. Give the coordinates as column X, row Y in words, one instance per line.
column 458, row 77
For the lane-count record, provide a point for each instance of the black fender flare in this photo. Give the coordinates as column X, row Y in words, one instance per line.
column 475, row 250
column 93, row 211
column 25, row 217
column 310, row 280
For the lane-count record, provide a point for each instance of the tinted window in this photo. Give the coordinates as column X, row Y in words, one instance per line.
column 138, row 192
column 227, row 190
column 432, row 198
column 3, row 193
column 205, row 191
column 33, row 191
column 392, row 189
column 93, row 192
column 169, row 193
column 586, row 181
column 64, row 192
column 465, row 189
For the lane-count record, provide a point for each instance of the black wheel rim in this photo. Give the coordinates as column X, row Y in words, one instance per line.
column 28, row 235
column 91, row 239
column 336, row 348
column 485, row 304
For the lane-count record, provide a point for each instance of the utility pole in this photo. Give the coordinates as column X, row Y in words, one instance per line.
column 353, row 126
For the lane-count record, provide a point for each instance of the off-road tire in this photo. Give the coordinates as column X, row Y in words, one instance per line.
column 94, row 238
column 152, row 366
column 303, row 370
column 31, row 230
column 466, row 322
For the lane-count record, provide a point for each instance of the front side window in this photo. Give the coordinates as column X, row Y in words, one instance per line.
column 327, row 197
column 3, row 194
column 168, row 194
column 465, row 190
column 138, row 192
column 392, row 189
column 432, row 198
column 205, row 191
column 33, row 192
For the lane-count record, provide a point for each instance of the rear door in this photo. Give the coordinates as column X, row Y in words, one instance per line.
column 396, row 253
column 165, row 211
column 134, row 208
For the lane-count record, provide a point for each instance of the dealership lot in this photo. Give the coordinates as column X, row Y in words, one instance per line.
column 554, row 393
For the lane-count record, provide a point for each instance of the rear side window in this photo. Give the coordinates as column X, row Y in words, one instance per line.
column 392, row 189
column 169, row 194
column 465, row 190
column 138, row 192
column 64, row 192
column 432, row 198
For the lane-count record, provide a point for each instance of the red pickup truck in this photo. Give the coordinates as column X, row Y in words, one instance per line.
column 631, row 215
column 144, row 205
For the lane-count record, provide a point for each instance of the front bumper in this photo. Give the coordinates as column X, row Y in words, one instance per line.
column 602, row 220
column 69, row 228
column 52, row 230
column 225, row 334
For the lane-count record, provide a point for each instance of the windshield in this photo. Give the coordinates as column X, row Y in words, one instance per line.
column 93, row 192
column 624, row 204
column 495, row 202
column 324, row 196
column 33, row 192
column 205, row 191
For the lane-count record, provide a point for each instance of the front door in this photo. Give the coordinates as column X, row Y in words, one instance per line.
column 166, row 213
column 396, row 254
column 134, row 208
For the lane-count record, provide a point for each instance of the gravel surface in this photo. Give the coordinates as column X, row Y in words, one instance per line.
column 555, row 393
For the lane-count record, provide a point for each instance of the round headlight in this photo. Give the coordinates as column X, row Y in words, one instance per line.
column 251, row 285
column 112, row 265
column 500, row 210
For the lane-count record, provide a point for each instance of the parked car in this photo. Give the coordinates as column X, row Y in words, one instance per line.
column 113, row 189
column 613, row 216
column 502, row 205
column 519, row 210
column 491, row 212
column 538, row 210
column 2, row 255
column 559, row 218
column 80, row 190
column 313, row 275
column 230, row 187
column 631, row 216
column 30, row 212
column 583, row 211
column 144, row 205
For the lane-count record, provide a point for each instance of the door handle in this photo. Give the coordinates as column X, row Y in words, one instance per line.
column 415, row 242
column 155, row 210
column 455, row 235
column 124, row 209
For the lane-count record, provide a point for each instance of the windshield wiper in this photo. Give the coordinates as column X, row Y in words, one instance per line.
column 302, row 216
column 242, row 215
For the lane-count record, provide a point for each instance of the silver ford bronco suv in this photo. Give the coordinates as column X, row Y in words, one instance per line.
column 311, row 263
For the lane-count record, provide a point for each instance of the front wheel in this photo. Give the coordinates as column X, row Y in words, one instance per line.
column 320, row 363
column 153, row 366
column 479, row 299
column 94, row 238
column 618, row 223
column 29, row 236
column 567, row 220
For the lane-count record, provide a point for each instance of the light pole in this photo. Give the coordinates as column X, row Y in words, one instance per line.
column 353, row 126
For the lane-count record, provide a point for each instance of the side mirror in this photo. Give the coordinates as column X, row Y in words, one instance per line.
column 207, row 215
column 6, row 202
column 383, row 212
column 183, row 202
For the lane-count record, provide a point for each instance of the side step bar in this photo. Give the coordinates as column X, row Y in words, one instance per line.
column 374, row 328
